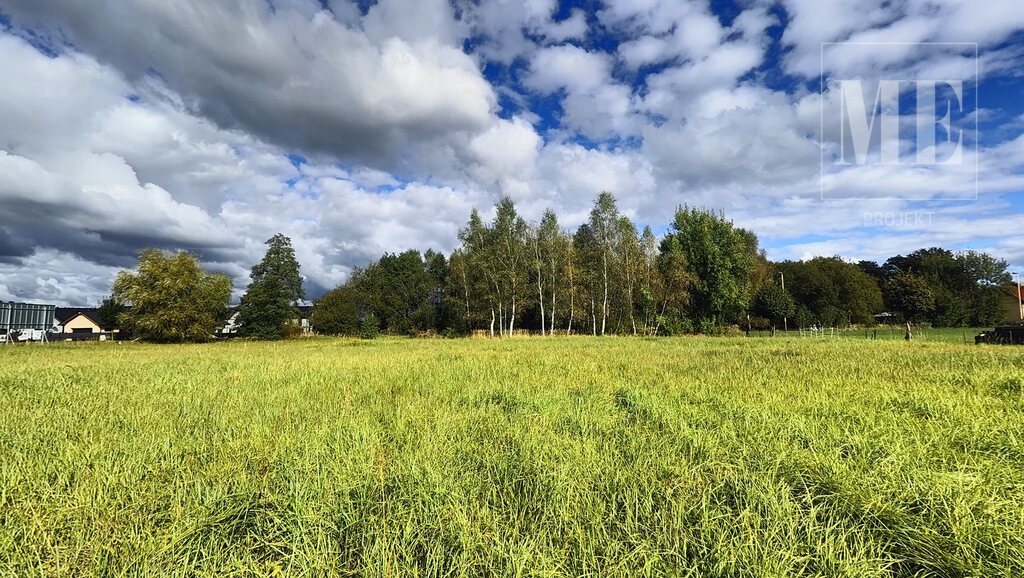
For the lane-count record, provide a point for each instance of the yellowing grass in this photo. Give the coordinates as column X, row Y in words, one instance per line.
column 553, row 457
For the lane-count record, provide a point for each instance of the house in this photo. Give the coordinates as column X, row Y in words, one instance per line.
column 305, row 317
column 77, row 320
column 82, row 323
column 1011, row 303
column 230, row 328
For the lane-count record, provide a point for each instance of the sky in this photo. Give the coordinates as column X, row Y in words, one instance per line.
column 358, row 128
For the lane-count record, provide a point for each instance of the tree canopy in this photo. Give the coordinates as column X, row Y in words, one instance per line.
column 720, row 259
column 171, row 298
column 405, row 294
column 965, row 286
column 606, row 277
column 829, row 291
column 268, row 304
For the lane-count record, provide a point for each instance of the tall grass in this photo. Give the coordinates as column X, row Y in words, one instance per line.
column 541, row 457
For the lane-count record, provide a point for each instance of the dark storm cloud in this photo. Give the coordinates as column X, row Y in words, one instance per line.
column 29, row 227
column 291, row 74
column 13, row 245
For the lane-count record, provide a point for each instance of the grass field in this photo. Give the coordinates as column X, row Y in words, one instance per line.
column 887, row 333
column 548, row 457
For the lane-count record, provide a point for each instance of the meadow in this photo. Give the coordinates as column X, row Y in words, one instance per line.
column 710, row 457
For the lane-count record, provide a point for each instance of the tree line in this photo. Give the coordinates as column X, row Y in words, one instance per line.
column 703, row 274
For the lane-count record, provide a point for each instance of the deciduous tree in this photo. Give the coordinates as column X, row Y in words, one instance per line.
column 719, row 257
column 171, row 298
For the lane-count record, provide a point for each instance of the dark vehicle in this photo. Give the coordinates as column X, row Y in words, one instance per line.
column 1006, row 335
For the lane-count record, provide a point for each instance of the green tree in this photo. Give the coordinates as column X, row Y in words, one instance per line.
column 648, row 278
column 672, row 290
column 475, row 278
column 587, row 261
column 872, row 269
column 108, row 314
column 406, row 294
column 720, row 259
column 370, row 327
column 171, row 298
column 399, row 290
column 775, row 304
column 275, row 288
column 338, row 311
column 629, row 260
column 509, row 235
column 605, row 226
column 446, row 311
column 910, row 295
column 964, row 285
column 548, row 252
column 832, row 292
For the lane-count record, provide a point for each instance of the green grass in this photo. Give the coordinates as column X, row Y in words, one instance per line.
column 544, row 457
column 887, row 333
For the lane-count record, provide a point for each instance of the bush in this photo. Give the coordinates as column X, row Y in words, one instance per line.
column 759, row 323
column 673, row 322
column 337, row 312
column 291, row 330
column 370, row 327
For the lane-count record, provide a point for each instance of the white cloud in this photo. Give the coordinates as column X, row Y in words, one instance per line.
column 813, row 22
column 505, row 156
column 56, row 278
column 594, row 104
column 510, row 30
column 568, row 67
column 291, row 74
column 177, row 125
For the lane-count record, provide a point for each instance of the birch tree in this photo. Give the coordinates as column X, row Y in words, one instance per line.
column 548, row 248
column 604, row 226
column 510, row 231
column 480, row 289
column 627, row 249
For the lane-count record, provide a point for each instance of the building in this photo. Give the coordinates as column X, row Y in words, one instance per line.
column 77, row 320
column 82, row 324
column 305, row 316
column 1011, row 303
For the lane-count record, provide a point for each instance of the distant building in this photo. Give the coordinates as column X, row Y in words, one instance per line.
column 83, row 323
column 230, row 328
column 1011, row 304
column 78, row 320
column 305, row 312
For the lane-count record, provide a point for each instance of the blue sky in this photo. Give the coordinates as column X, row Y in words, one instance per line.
column 363, row 127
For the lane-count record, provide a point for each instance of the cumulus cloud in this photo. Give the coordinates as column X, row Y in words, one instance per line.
column 813, row 22
column 358, row 129
column 506, row 31
column 291, row 73
column 594, row 104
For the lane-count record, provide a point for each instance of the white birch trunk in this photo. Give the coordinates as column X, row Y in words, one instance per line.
column 604, row 305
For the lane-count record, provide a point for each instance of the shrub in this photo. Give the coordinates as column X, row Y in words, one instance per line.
column 291, row 330
column 370, row 327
